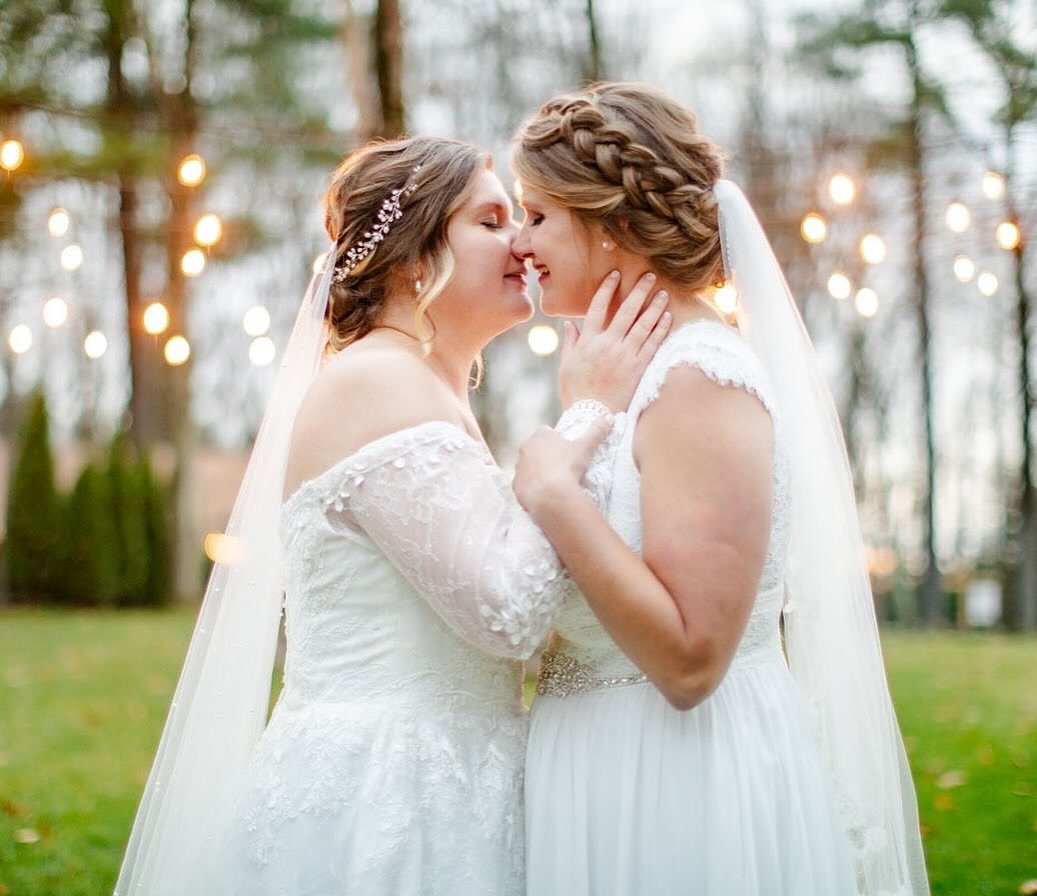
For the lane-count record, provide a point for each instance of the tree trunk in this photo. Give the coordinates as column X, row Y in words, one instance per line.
column 1023, row 615
column 931, row 595
column 182, row 123
column 388, row 53
column 594, row 67
column 142, row 423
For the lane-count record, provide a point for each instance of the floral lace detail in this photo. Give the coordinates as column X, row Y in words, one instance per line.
column 431, row 499
column 574, row 422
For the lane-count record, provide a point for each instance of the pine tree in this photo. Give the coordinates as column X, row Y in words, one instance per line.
column 92, row 571
column 34, row 514
column 129, row 519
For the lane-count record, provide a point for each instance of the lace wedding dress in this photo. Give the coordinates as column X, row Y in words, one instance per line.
column 392, row 762
column 626, row 795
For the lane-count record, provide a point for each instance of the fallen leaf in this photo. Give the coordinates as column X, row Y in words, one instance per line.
column 26, row 835
column 952, row 779
column 1028, row 887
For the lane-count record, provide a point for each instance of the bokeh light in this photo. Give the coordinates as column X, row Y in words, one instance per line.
column 12, row 154
column 842, row 189
column 958, row 217
column 191, row 171
column 726, row 299
column 873, row 248
column 813, row 228
column 867, row 302
column 156, row 318
column 55, row 312
column 993, row 185
column 839, row 286
column 964, row 268
column 256, row 321
column 262, row 351
column 72, row 257
column 177, row 351
column 543, row 340
column 20, row 339
column 987, row 283
column 58, row 222
column 95, row 344
column 208, row 230
column 193, row 262
column 1007, row 235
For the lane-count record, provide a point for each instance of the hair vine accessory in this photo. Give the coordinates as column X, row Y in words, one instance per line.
column 389, row 212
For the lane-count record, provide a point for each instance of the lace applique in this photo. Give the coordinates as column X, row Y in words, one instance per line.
column 432, row 500
column 573, row 423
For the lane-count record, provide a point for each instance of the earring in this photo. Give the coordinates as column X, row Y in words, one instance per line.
column 606, row 245
column 417, row 285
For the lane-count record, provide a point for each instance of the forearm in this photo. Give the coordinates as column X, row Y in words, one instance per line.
column 628, row 598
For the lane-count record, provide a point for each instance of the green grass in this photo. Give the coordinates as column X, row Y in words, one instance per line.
column 83, row 697
column 968, row 710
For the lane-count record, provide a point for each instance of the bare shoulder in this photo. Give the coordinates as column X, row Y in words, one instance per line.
column 694, row 411
column 363, row 393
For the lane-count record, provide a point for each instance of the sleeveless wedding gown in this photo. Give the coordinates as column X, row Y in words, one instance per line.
column 627, row 796
column 392, row 762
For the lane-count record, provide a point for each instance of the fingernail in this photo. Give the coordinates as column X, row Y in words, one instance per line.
column 666, row 316
column 613, row 275
column 662, row 296
column 650, row 277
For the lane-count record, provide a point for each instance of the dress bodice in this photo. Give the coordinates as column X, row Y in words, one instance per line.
column 724, row 356
column 411, row 573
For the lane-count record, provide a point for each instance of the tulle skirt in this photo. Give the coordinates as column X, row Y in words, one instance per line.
column 626, row 796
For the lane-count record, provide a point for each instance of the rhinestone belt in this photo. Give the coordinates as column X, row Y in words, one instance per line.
column 562, row 676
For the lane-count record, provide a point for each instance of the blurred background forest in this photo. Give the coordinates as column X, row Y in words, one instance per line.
column 159, row 215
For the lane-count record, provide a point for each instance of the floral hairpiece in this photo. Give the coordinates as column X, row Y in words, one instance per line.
column 389, row 212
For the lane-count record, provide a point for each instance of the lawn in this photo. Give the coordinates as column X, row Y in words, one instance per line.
column 84, row 696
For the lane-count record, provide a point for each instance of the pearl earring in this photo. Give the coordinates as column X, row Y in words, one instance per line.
column 606, row 245
column 417, row 285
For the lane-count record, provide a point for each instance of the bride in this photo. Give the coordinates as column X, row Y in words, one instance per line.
column 413, row 582
column 675, row 748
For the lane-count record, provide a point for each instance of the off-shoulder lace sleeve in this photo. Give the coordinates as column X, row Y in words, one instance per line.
column 431, row 498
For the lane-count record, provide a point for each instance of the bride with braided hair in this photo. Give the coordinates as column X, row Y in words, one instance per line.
column 712, row 716
column 413, row 582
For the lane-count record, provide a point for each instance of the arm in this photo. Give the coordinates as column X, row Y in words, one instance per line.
column 431, row 499
column 704, row 452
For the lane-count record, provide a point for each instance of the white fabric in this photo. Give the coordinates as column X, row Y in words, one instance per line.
column 220, row 703
column 831, row 633
column 393, row 759
column 392, row 762
column 624, row 794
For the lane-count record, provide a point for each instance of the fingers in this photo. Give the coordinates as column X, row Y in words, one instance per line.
column 632, row 304
column 594, row 320
column 645, row 325
column 654, row 339
column 588, row 442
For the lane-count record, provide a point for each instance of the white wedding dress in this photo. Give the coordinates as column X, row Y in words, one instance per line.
column 625, row 795
column 393, row 760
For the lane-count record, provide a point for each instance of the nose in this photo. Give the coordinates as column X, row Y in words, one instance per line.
column 521, row 246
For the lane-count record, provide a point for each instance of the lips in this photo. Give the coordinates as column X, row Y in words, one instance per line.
column 519, row 276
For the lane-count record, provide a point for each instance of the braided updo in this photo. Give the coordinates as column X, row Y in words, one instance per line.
column 359, row 187
column 631, row 159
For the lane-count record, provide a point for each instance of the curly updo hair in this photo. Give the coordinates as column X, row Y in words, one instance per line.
column 417, row 240
column 631, row 159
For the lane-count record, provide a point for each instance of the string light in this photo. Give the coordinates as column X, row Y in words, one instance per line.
column 867, row 302
column 12, row 154
column 95, row 344
column 839, row 286
column 1007, row 235
column 964, row 268
column 958, row 217
column 256, row 321
column 55, row 312
column 177, row 351
column 191, row 171
column 813, row 228
column 72, row 257
column 156, row 318
column 262, row 351
column 873, row 249
column 726, row 299
column 842, row 189
column 318, row 263
column 221, row 548
column 208, row 230
column 993, row 185
column 58, row 222
column 193, row 262
column 987, row 283
column 20, row 339
column 543, row 340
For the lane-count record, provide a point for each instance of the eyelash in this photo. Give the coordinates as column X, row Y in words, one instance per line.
column 535, row 219
column 493, row 225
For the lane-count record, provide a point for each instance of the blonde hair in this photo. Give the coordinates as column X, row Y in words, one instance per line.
column 358, row 188
column 631, row 159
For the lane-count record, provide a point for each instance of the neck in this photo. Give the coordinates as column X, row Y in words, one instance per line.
column 451, row 360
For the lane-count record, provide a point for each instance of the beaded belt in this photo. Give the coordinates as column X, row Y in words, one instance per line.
column 562, row 676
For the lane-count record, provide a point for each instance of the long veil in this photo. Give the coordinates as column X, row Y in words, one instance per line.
column 220, row 704
column 831, row 634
